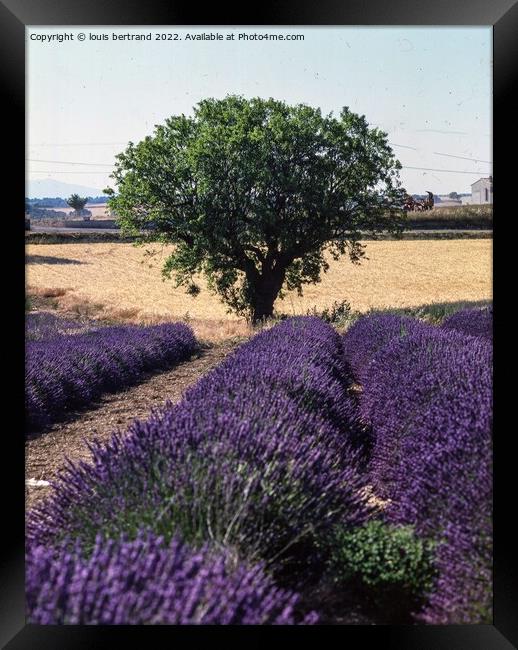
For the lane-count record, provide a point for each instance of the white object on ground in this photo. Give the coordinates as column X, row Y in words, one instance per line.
column 33, row 482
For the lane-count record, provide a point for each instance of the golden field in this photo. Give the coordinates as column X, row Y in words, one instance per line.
column 99, row 211
column 122, row 281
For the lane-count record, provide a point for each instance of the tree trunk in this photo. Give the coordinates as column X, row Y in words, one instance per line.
column 262, row 308
column 266, row 290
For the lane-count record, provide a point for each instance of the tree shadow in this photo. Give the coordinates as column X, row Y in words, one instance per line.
column 46, row 259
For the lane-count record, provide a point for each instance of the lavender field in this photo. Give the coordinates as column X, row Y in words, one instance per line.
column 311, row 478
column 71, row 363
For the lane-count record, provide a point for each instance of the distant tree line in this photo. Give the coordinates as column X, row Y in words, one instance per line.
column 57, row 202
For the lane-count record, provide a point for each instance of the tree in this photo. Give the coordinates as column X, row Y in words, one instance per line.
column 453, row 195
column 76, row 202
column 254, row 192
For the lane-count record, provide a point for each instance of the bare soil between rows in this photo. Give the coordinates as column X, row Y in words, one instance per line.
column 46, row 454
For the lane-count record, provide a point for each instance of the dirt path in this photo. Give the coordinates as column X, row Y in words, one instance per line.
column 45, row 455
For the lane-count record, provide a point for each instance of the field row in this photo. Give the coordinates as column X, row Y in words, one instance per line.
column 65, row 370
column 271, row 480
column 427, row 397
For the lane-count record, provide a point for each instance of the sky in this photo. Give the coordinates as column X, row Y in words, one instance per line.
column 428, row 88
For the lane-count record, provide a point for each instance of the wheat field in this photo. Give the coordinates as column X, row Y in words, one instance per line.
column 124, row 280
column 99, row 212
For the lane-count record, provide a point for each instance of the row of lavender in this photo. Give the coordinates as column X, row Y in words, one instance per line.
column 254, row 471
column 427, row 394
column 67, row 370
column 45, row 325
column 146, row 581
column 259, row 472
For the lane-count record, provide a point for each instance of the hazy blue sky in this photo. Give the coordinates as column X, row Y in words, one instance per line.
column 430, row 89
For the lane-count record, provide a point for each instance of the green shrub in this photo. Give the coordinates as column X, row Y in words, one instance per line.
column 383, row 558
column 339, row 314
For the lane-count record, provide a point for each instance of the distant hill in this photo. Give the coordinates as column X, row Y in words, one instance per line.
column 49, row 187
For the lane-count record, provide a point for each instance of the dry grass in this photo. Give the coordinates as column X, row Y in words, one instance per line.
column 458, row 216
column 54, row 292
column 118, row 281
column 461, row 212
column 405, row 274
column 99, row 211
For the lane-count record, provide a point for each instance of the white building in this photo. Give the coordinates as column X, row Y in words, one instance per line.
column 482, row 191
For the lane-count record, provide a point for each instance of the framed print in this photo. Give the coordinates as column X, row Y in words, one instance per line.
column 257, row 347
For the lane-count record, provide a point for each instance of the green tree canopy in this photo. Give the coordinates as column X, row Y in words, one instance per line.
column 253, row 192
column 76, row 202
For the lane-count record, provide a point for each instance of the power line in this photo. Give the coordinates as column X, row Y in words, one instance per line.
column 452, row 171
column 68, row 162
column 428, row 169
column 437, row 153
column 394, row 144
column 404, row 146
column 77, row 144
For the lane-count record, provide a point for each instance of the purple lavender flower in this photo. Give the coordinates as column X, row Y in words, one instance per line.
column 145, row 581
column 433, row 368
column 476, row 322
column 246, row 458
column 67, row 371
column 46, row 325
column 428, row 398
column 371, row 333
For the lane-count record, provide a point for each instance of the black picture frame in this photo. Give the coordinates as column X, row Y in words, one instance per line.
column 15, row 15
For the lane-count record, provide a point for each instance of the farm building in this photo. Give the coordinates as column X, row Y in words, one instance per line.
column 482, row 191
